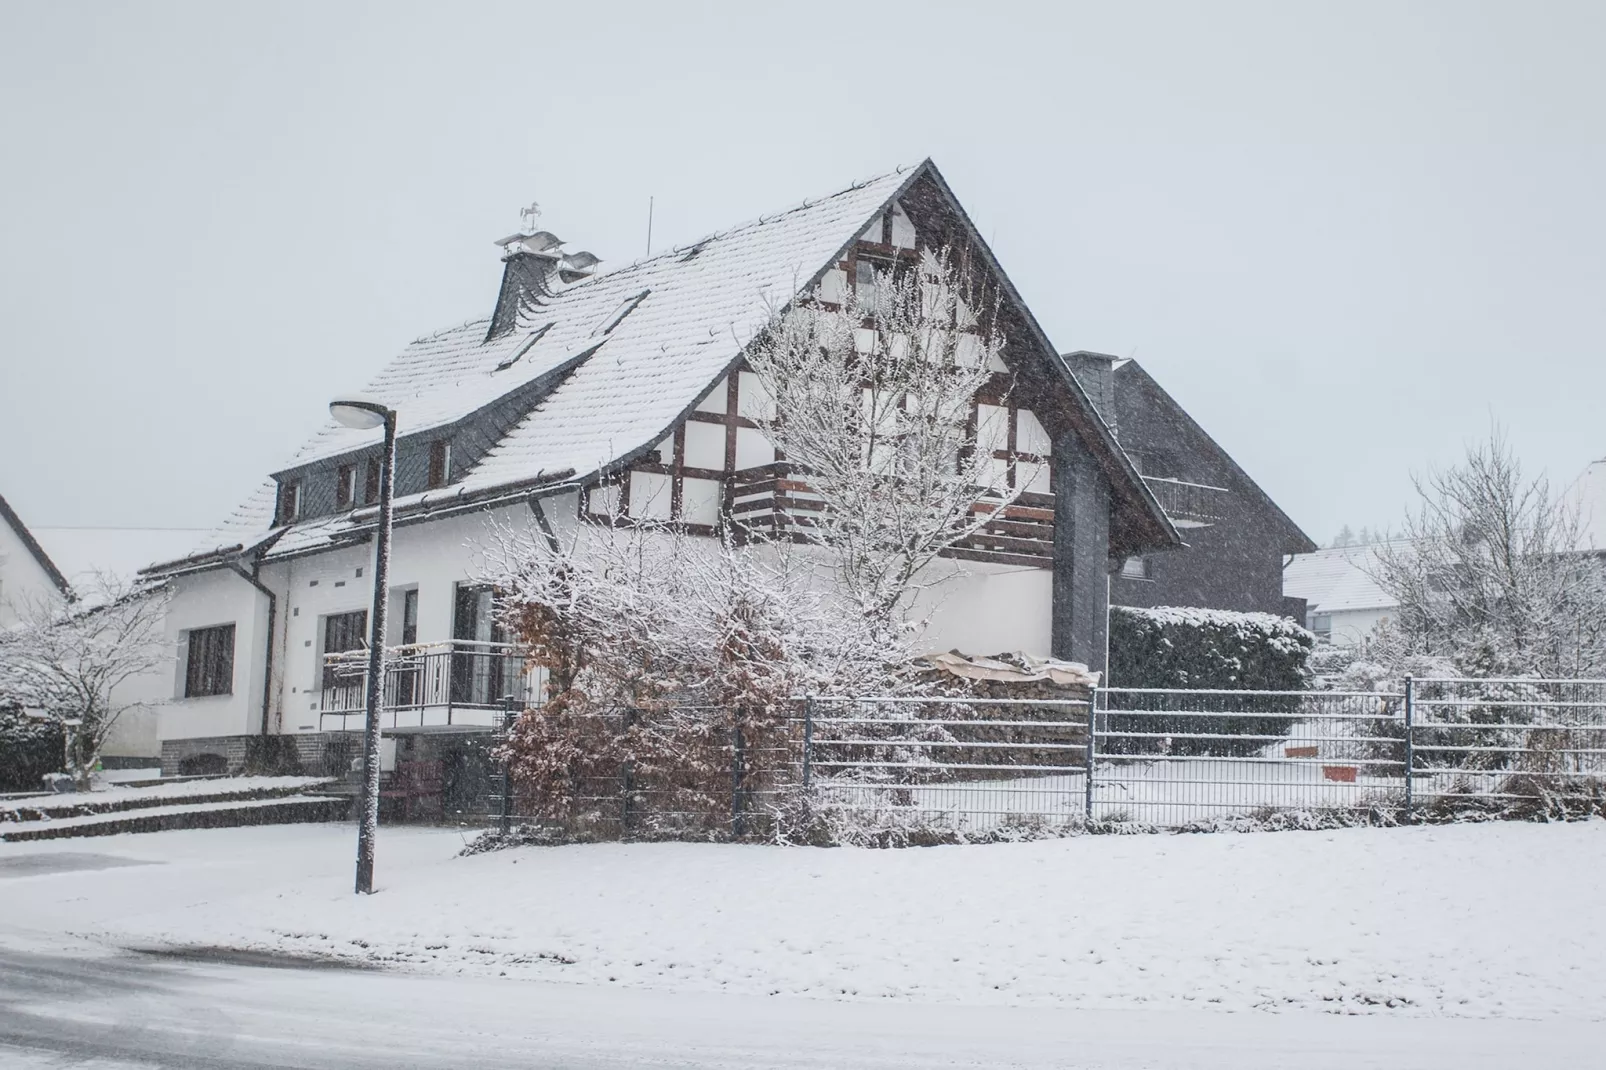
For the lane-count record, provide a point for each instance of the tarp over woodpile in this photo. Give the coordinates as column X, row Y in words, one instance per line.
column 1012, row 668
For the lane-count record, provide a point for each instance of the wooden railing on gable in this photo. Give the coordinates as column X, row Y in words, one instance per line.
column 773, row 500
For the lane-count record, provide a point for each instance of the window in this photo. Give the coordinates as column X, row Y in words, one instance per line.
column 209, row 668
column 440, row 463
column 1322, row 625
column 370, row 490
column 345, row 487
column 1135, row 568
column 342, row 632
column 290, row 501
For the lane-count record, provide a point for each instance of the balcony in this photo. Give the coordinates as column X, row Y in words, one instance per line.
column 775, row 499
column 1189, row 505
column 458, row 684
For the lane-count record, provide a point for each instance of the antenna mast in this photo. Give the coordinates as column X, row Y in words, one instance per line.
column 649, row 226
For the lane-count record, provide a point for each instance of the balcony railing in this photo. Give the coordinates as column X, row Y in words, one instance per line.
column 456, row 684
column 775, row 499
column 1189, row 504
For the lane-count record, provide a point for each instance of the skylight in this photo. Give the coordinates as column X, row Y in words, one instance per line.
column 529, row 343
column 626, row 307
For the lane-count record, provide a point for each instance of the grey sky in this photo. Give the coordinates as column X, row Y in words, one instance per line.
column 1343, row 236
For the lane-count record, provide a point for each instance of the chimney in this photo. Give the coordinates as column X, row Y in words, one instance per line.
column 1096, row 373
column 537, row 268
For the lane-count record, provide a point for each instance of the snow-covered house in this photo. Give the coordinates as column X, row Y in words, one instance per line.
column 26, row 571
column 587, row 392
column 1344, row 602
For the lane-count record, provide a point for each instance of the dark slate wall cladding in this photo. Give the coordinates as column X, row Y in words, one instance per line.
column 471, row 439
column 1236, row 562
column 1081, row 555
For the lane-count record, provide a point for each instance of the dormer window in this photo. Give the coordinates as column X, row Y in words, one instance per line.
column 345, row 487
column 290, row 501
column 440, row 463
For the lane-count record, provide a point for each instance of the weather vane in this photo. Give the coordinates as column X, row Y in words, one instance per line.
column 529, row 215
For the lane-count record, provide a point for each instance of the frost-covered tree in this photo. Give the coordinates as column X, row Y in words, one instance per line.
column 666, row 654
column 1345, row 537
column 68, row 660
column 872, row 405
column 1492, row 572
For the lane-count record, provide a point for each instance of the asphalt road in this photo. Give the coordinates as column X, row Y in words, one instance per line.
column 113, row 1011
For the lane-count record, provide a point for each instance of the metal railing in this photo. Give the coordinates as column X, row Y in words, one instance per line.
column 459, row 683
column 1195, row 502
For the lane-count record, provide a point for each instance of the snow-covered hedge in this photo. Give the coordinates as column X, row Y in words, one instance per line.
column 1183, row 647
column 1205, row 649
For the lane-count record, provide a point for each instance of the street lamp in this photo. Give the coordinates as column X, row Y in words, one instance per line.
column 365, row 414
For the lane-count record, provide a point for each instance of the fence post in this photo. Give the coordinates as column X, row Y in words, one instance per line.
column 808, row 739
column 1410, row 744
column 736, row 775
column 507, row 764
column 1092, row 729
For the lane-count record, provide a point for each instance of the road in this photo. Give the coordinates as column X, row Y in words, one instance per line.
column 116, row 1011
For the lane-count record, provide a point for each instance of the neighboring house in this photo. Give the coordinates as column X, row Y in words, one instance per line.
column 1237, row 539
column 586, row 392
column 1587, row 494
column 27, row 572
column 1345, row 604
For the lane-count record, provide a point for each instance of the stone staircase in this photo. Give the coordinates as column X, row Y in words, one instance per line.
column 220, row 802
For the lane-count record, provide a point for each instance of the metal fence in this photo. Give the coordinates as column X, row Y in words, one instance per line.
column 983, row 766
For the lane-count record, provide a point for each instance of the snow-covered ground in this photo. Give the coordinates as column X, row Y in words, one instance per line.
column 1476, row 920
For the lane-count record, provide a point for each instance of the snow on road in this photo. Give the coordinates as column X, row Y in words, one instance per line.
column 1498, row 920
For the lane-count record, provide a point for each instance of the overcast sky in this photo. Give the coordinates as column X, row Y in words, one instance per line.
column 1344, row 236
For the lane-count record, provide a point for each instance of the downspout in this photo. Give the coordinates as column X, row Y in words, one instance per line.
column 273, row 607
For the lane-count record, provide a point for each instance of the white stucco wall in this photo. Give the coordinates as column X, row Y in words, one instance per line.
column 22, row 578
column 1354, row 627
column 978, row 608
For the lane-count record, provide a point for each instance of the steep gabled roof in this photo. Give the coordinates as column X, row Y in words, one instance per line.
column 10, row 516
column 1137, row 377
column 611, row 363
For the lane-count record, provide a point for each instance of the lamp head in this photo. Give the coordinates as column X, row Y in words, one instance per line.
column 363, row 414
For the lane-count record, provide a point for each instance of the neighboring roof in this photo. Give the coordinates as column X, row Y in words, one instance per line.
column 10, row 516
column 1588, row 495
column 603, row 388
column 1337, row 579
column 1129, row 369
column 118, row 553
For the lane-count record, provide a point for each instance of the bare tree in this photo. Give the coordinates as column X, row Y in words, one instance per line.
column 69, row 660
column 872, row 404
column 1493, row 572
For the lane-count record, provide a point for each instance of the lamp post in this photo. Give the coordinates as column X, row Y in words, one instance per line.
column 365, row 414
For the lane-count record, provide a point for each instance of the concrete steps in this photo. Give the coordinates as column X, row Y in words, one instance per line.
column 279, row 810
column 220, row 802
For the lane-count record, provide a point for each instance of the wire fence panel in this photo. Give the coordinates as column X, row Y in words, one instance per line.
column 962, row 765
column 1513, row 743
column 1168, row 757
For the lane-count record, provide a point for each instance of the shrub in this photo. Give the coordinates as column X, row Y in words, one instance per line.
column 1198, row 650
column 30, row 748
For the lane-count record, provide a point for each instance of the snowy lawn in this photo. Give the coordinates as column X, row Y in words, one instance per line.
column 1474, row 920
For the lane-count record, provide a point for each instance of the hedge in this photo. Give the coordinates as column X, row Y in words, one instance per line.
column 1205, row 649
column 29, row 749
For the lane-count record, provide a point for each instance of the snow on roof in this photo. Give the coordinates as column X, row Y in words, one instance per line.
column 1588, row 495
column 695, row 308
column 118, row 553
column 689, row 313
column 1337, row 579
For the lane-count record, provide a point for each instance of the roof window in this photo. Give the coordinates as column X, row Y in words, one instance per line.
column 529, row 344
column 626, row 307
